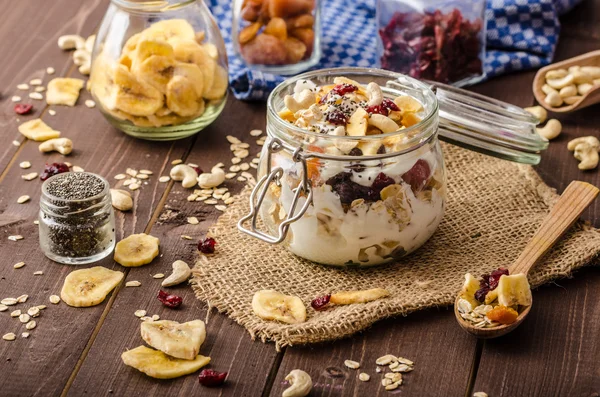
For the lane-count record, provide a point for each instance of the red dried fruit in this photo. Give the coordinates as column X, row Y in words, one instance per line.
column 198, row 170
column 53, row 169
column 320, row 302
column 494, row 278
column 336, row 117
column 169, row 300
column 489, row 282
column 382, row 181
column 355, row 152
column 377, row 109
column 433, row 45
column 211, row 378
column 341, row 90
column 417, row 176
column 207, row 245
column 389, row 104
column 23, row 108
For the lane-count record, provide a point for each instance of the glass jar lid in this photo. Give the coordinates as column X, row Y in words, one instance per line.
column 487, row 125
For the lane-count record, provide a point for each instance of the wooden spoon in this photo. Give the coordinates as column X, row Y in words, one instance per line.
column 590, row 98
column 574, row 200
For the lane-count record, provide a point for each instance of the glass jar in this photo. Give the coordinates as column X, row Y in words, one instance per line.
column 368, row 207
column 277, row 36
column 76, row 231
column 159, row 68
column 433, row 40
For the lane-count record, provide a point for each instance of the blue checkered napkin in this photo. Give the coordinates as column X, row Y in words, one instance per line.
column 521, row 34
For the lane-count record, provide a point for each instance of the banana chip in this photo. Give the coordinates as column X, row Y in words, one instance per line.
column 175, row 339
column 158, row 365
column 167, row 29
column 156, row 71
column 219, row 84
column 89, row 287
column 349, row 297
column 63, row 91
column 133, row 96
column 136, row 250
column 272, row 305
column 37, row 130
column 182, row 97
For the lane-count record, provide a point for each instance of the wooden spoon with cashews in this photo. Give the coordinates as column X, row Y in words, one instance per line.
column 590, row 98
column 574, row 200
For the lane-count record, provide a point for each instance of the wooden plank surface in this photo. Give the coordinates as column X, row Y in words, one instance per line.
column 229, row 345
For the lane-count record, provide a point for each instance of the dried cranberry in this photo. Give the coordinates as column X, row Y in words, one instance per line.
column 355, row 152
column 417, row 176
column 169, row 300
column 336, row 117
column 207, row 245
column 53, row 169
column 481, row 293
column 389, row 104
column 382, row 181
column 494, row 278
column 198, row 170
column 341, row 90
column 320, row 302
column 23, row 108
column 377, row 109
column 211, row 378
column 489, row 282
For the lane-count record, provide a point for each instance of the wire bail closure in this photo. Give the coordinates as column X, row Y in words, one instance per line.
column 261, row 188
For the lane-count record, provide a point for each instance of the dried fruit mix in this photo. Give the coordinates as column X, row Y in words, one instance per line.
column 444, row 47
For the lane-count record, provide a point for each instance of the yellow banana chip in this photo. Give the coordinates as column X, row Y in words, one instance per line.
column 219, row 84
column 136, row 250
column 37, row 130
column 156, row 71
column 167, row 29
column 181, row 96
column 133, row 96
column 89, row 287
column 63, row 91
column 158, row 365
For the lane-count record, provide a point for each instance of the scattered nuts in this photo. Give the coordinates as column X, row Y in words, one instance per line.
column 62, row 145
column 9, row 337
column 553, row 99
column 212, row 179
column 300, row 384
column 186, row 174
column 121, row 199
column 586, row 151
column 133, row 283
column 352, row 364
column 71, row 42
column 24, row 164
column 23, row 199
column 551, row 130
column 567, row 91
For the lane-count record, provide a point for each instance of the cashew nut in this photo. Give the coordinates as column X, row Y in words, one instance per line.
column 553, row 99
column 71, row 42
column 300, row 384
column 86, row 68
column 374, row 93
column 551, row 130
column 569, row 90
column 556, row 74
column 63, row 146
column 560, row 83
column 384, row 123
column 212, row 179
column 344, row 145
column 312, row 113
column 184, row 173
column 538, row 112
column 546, row 89
column 579, row 77
column 593, row 71
column 586, row 151
column 121, row 199
column 584, row 88
column 570, row 100
column 300, row 101
column 81, row 57
column 574, row 68
column 181, row 272
column 89, row 43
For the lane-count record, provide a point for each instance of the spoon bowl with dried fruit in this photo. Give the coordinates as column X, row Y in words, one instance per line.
column 500, row 302
column 569, row 85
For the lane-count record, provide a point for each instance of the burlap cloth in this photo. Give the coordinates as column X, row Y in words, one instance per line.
column 493, row 209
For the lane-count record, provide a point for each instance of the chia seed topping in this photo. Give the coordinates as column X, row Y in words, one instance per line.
column 75, row 186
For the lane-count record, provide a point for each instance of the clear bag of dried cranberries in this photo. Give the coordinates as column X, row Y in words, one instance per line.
column 441, row 41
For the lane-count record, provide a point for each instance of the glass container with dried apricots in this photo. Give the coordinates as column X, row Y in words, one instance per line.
column 352, row 172
column 159, row 68
column 277, row 36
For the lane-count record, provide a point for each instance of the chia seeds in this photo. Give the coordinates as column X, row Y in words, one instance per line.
column 76, row 218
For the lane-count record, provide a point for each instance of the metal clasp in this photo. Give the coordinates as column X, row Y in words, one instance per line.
column 261, row 188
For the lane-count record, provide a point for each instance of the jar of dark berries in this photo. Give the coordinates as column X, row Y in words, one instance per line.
column 76, row 220
column 352, row 172
column 277, row 36
column 433, row 40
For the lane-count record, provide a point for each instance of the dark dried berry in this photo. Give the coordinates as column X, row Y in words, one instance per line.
column 489, row 282
column 481, row 293
column 494, row 278
column 381, row 149
column 23, row 108
column 207, row 245
column 198, row 170
column 211, row 378
column 377, row 109
column 336, row 117
column 169, row 300
column 382, row 181
column 348, row 190
column 340, row 89
column 355, row 152
column 53, row 169
column 417, row 176
column 389, row 104
column 320, row 302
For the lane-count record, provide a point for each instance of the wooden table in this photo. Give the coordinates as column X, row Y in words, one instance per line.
column 76, row 352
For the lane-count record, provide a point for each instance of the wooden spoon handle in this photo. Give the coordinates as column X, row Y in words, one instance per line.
column 574, row 200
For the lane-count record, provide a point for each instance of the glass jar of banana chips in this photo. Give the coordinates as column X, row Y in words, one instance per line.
column 159, row 68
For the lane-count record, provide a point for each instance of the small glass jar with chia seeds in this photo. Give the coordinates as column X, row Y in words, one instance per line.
column 77, row 223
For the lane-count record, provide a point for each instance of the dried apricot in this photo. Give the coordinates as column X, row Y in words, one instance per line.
column 249, row 32
column 301, row 21
column 503, row 314
column 276, row 28
column 307, row 36
column 313, row 165
column 265, row 50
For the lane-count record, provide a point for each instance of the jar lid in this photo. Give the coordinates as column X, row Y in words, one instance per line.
column 487, row 125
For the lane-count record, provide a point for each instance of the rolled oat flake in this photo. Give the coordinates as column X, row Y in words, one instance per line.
column 76, row 218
